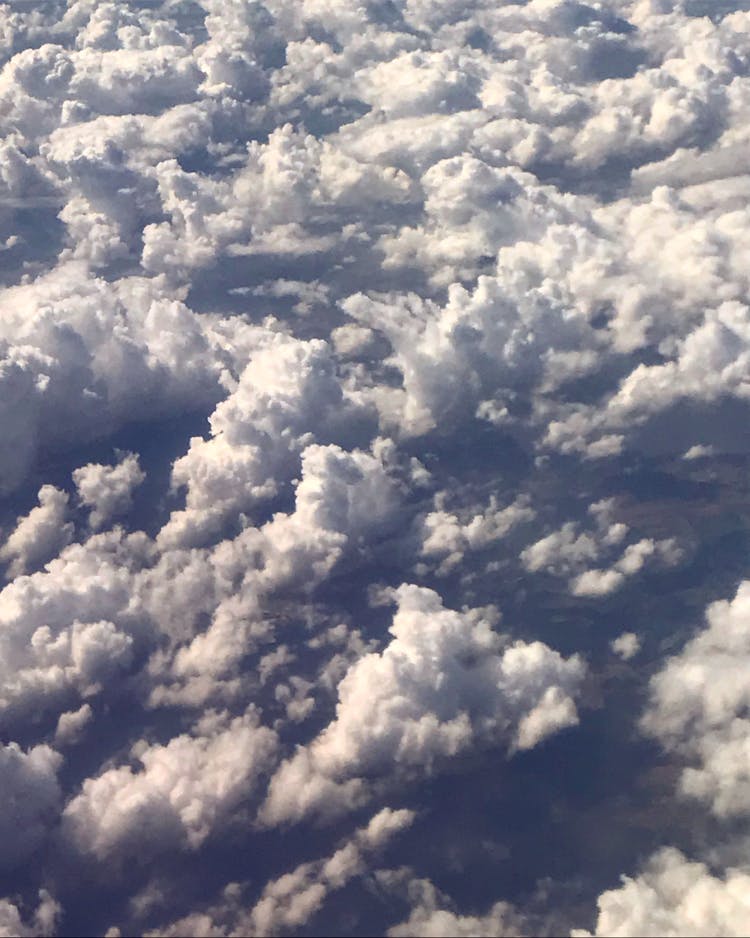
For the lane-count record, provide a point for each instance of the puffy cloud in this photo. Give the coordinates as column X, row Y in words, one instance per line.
column 31, row 800
column 560, row 551
column 457, row 211
column 627, row 645
column 567, row 552
column 108, row 490
column 445, row 684
column 698, row 708
column 183, row 791
column 81, row 356
column 44, row 920
column 430, row 915
column 675, row 897
column 290, row 901
column 444, row 537
column 65, row 631
column 72, row 725
column 40, row 535
column 257, row 434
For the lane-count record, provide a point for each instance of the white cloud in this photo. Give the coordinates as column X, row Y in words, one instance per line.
column 61, row 631
column 108, row 490
column 40, row 535
column 183, row 791
column 457, row 210
column 83, row 356
column 678, row 898
column 567, row 552
column 445, row 684
column 627, row 645
column 290, row 901
column 257, row 435
column 431, row 916
column 43, row 922
column 698, row 708
column 31, row 800
column 445, row 538
column 72, row 725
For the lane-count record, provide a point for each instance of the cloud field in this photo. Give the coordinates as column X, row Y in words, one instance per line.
column 374, row 501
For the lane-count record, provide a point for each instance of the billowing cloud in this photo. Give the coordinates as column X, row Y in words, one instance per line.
column 108, row 490
column 698, row 708
column 31, row 800
column 43, row 921
column 303, row 298
column 40, row 535
column 446, row 683
column 181, row 793
column 432, row 917
column 675, row 897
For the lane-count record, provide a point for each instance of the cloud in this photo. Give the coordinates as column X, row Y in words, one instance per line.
column 72, row 725
column 335, row 260
column 677, row 897
column 568, row 553
column 82, row 356
column 184, row 790
column 430, row 916
column 627, row 645
column 40, row 535
column 698, row 709
column 445, row 538
column 44, row 920
column 63, row 633
column 292, row 900
column 31, row 800
column 257, row 434
column 445, row 684
column 108, row 490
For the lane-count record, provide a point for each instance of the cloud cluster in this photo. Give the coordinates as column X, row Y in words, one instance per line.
column 431, row 916
column 699, row 708
column 43, row 922
column 182, row 792
column 303, row 298
column 445, row 684
column 566, row 552
column 676, row 897
column 31, row 799
column 292, row 900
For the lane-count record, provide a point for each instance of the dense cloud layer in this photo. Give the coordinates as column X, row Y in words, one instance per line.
column 309, row 310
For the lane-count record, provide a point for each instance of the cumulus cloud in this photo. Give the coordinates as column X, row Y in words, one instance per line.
column 698, row 708
column 676, row 897
column 108, row 490
column 322, row 263
column 446, row 539
column 431, row 916
column 40, row 535
column 60, row 634
column 182, row 791
column 43, row 921
column 446, row 683
column 72, row 725
column 568, row 552
column 627, row 645
column 81, row 357
column 257, row 435
column 291, row 900
column 31, row 801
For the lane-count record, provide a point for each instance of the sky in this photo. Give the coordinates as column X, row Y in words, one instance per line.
column 374, row 449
